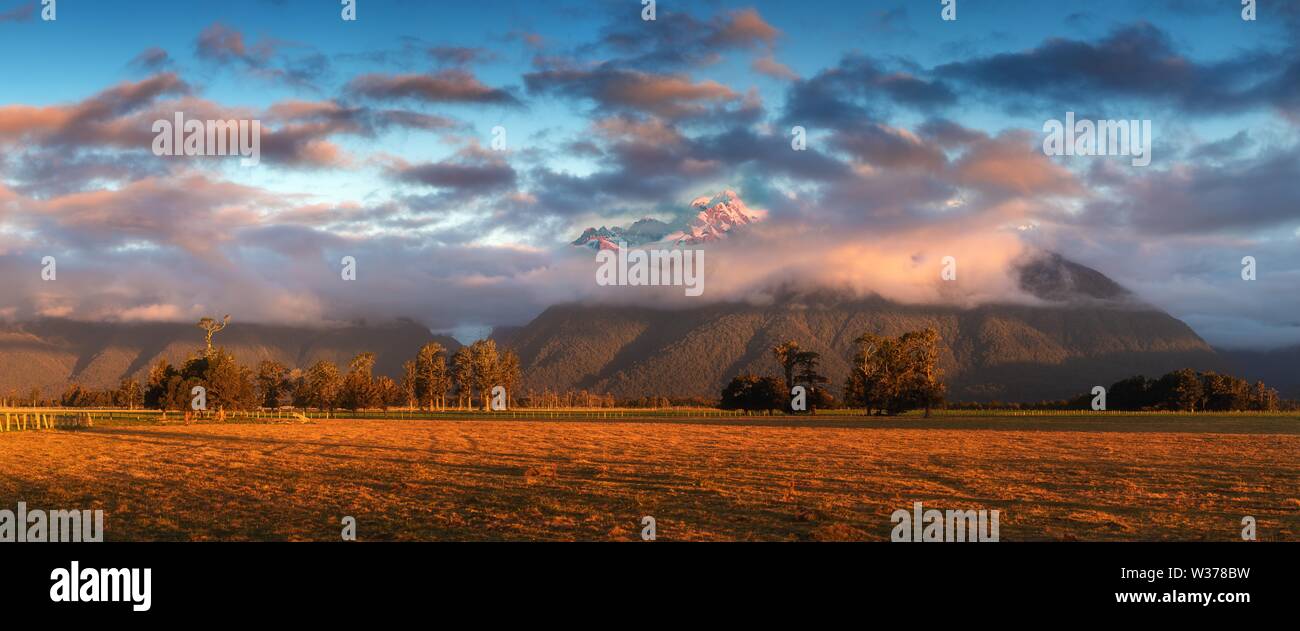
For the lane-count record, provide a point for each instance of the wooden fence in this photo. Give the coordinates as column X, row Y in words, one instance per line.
column 15, row 420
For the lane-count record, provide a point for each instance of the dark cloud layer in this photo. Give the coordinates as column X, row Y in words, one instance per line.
column 1137, row 61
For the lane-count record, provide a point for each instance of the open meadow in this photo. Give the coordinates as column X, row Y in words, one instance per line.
column 1075, row 477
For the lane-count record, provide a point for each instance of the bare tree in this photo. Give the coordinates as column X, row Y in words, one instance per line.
column 210, row 328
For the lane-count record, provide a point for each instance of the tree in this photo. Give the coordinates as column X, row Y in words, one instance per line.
column 358, row 387
column 128, row 393
column 753, row 393
column 1181, row 390
column 806, row 365
column 893, row 375
column 1223, row 393
column 74, row 396
column 211, row 327
column 1263, row 398
column 272, row 383
column 463, row 371
column 485, row 362
column 410, row 383
column 511, row 375
column 229, row 385
column 787, row 357
column 432, row 380
column 1133, row 393
column 922, row 385
column 157, row 392
column 321, row 387
column 388, row 393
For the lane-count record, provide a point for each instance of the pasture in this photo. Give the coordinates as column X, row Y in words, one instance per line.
column 594, row 475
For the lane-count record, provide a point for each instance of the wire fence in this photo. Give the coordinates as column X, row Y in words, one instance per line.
column 21, row 419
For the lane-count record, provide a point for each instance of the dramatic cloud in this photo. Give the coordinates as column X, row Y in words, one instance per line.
column 1137, row 61
column 899, row 141
column 1235, row 197
column 856, row 89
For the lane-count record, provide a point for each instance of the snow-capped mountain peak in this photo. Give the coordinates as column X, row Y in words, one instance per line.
column 714, row 218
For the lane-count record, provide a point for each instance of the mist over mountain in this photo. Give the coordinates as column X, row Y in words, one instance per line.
column 1085, row 330
column 1090, row 332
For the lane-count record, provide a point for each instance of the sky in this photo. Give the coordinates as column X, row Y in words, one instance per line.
column 924, row 140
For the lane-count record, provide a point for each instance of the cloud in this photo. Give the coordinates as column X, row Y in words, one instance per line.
column 1136, row 61
column 1237, row 196
column 219, row 42
column 857, row 89
column 266, row 58
column 769, row 66
column 1013, row 163
column 446, row 86
column 96, row 120
column 152, row 60
column 460, row 55
column 901, row 169
column 612, row 89
column 295, row 133
column 464, row 175
column 21, row 13
column 677, row 40
column 890, row 147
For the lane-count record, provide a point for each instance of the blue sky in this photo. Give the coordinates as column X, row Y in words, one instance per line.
column 922, row 132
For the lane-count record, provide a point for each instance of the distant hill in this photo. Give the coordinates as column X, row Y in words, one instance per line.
column 1092, row 332
column 50, row 354
column 1007, row 353
column 1278, row 368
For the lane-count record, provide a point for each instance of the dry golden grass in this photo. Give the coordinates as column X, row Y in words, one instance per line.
column 702, row 480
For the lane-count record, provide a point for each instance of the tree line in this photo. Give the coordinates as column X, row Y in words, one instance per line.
column 431, row 380
column 890, row 375
column 1187, row 390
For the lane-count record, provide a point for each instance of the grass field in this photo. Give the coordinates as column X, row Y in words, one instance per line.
column 1087, row 477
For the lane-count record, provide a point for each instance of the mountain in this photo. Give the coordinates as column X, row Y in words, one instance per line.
column 714, row 217
column 52, row 353
column 1093, row 332
column 1277, row 368
column 646, row 230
